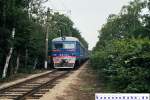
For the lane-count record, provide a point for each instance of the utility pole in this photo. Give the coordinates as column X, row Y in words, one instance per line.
column 46, row 39
column 61, row 34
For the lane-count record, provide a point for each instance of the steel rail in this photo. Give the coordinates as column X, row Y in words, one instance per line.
column 34, row 90
column 23, row 82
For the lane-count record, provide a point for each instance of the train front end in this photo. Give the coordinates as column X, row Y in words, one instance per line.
column 64, row 53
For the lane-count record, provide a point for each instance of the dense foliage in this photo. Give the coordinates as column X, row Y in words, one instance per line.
column 31, row 21
column 122, row 54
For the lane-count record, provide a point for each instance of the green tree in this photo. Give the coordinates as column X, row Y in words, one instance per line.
column 121, row 55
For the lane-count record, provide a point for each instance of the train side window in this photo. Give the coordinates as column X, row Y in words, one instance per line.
column 78, row 46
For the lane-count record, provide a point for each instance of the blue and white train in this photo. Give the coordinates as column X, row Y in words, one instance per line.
column 68, row 52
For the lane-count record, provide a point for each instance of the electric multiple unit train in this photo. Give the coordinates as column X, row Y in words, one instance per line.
column 68, row 52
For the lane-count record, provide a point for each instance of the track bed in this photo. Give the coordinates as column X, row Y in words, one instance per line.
column 33, row 88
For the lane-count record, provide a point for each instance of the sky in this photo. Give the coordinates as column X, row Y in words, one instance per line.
column 88, row 15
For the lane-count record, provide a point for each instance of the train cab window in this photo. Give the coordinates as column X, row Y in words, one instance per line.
column 69, row 45
column 58, row 46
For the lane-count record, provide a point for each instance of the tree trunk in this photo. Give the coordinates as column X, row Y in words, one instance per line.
column 8, row 57
column 26, row 58
column 4, row 13
column 18, row 63
column 45, row 65
column 7, row 63
column 35, row 63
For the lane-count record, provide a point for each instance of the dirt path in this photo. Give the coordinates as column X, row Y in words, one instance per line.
column 80, row 85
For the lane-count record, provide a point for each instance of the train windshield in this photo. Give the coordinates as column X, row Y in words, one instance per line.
column 58, row 46
column 64, row 45
column 69, row 45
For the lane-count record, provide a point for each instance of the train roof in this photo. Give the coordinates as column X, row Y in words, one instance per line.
column 65, row 39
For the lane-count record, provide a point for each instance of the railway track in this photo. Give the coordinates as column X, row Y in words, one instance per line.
column 33, row 88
